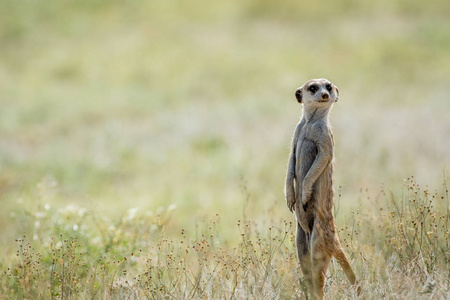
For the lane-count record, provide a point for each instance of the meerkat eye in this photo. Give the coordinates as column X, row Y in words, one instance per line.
column 312, row 89
column 328, row 87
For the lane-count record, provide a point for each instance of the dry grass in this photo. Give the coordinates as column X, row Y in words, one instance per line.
column 399, row 249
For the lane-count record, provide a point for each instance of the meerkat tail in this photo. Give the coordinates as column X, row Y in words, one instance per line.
column 342, row 259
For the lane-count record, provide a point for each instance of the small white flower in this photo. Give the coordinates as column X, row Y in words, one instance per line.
column 96, row 241
column 39, row 215
column 131, row 214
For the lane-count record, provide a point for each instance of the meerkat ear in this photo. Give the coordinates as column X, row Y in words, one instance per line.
column 337, row 93
column 298, row 95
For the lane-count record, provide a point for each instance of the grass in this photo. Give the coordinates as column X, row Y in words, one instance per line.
column 113, row 112
column 399, row 249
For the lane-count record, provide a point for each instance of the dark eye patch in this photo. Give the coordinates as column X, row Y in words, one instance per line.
column 312, row 88
column 328, row 87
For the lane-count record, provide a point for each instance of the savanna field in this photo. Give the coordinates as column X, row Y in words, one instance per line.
column 144, row 145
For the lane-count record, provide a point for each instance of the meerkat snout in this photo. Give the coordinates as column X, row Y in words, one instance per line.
column 325, row 96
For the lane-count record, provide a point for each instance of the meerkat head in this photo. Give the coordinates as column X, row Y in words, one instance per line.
column 317, row 93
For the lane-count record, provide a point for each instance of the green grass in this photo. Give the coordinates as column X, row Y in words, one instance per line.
column 111, row 106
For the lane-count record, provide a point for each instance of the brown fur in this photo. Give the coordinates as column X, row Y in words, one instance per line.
column 309, row 187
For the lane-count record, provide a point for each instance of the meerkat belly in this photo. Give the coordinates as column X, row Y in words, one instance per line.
column 306, row 154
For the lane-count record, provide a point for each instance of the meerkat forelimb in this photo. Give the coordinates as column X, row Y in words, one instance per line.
column 309, row 186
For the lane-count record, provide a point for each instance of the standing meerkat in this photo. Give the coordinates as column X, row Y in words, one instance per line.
column 309, row 186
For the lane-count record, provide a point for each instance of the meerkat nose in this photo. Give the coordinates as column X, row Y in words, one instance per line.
column 325, row 96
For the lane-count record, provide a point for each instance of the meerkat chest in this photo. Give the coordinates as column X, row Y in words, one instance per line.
column 306, row 146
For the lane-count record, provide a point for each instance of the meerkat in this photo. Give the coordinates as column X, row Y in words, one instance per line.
column 309, row 186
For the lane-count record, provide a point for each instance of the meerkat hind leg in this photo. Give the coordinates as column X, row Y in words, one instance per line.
column 320, row 260
column 304, row 256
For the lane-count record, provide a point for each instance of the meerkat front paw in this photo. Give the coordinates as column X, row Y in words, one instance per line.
column 290, row 201
column 306, row 195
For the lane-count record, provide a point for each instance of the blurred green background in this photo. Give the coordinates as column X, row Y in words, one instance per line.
column 120, row 104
